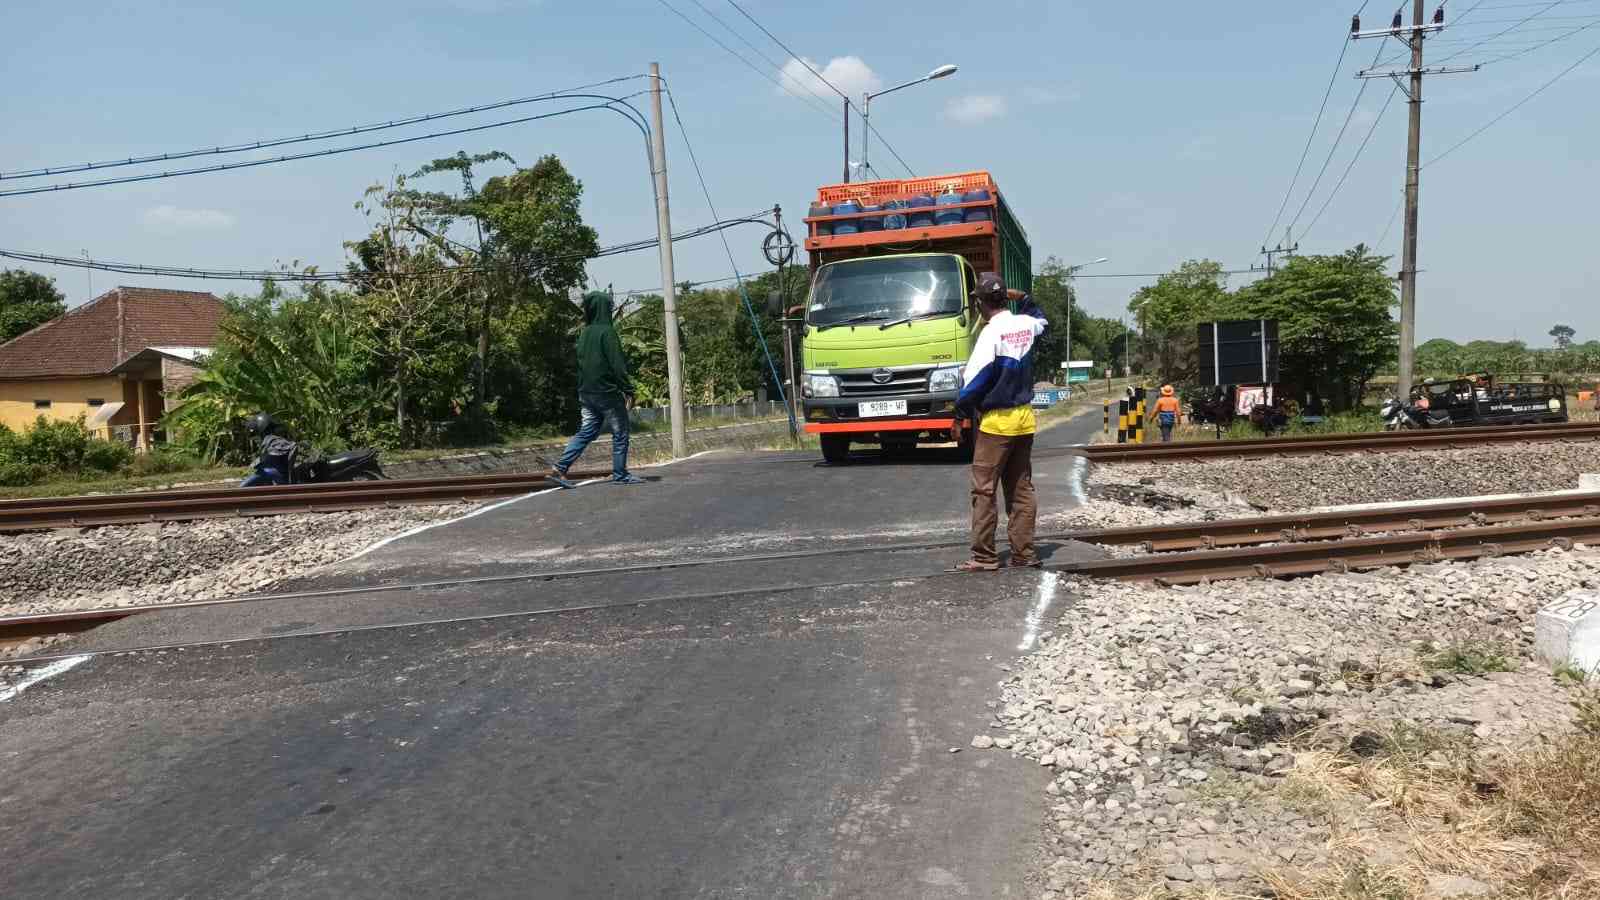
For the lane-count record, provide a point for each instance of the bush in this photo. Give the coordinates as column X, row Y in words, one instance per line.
column 106, row 456
column 164, row 461
column 14, row 473
column 54, row 444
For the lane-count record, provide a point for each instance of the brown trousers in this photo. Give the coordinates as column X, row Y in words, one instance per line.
column 1007, row 462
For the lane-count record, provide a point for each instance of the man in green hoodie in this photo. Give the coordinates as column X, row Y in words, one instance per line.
column 605, row 392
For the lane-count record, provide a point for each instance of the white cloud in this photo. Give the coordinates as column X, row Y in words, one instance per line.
column 975, row 109
column 1043, row 96
column 850, row 74
column 172, row 218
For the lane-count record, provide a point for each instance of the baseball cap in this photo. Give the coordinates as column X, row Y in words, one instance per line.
column 990, row 284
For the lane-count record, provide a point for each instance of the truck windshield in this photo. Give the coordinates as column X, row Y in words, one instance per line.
column 872, row 290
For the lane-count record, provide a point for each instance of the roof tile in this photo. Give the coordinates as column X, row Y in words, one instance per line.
column 84, row 341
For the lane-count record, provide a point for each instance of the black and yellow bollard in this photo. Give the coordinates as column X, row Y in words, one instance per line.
column 1138, row 419
column 1122, row 421
column 1105, row 417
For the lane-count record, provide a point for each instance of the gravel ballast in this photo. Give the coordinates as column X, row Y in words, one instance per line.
column 1170, row 719
column 1299, row 482
column 172, row 562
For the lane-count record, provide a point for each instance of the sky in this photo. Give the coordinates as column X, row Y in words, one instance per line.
column 1145, row 133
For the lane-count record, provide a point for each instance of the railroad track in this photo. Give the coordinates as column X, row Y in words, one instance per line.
column 1442, row 439
column 211, row 503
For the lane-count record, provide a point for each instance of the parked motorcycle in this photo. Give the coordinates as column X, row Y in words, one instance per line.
column 1399, row 416
column 285, row 461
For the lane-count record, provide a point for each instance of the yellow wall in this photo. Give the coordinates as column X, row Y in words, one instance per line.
column 69, row 398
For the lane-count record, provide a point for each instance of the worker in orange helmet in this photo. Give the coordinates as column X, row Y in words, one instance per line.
column 1166, row 412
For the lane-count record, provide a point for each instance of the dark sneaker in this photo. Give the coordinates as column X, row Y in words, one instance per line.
column 626, row 479
column 561, row 480
column 1026, row 562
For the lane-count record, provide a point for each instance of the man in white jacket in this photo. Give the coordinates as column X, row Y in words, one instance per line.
column 997, row 392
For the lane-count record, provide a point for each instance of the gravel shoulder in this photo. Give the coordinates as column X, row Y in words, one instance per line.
column 1189, row 731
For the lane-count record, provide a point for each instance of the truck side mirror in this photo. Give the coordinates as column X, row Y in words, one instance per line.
column 775, row 304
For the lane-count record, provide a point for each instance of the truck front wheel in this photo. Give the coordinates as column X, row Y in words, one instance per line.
column 835, row 448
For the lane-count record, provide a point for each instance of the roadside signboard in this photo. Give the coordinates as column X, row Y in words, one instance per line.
column 1078, row 370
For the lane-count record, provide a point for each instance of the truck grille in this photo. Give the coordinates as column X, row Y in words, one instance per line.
column 859, row 383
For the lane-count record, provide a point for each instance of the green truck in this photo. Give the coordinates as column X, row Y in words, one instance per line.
column 890, row 318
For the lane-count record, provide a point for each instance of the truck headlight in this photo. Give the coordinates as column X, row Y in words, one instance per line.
column 946, row 378
column 822, row 386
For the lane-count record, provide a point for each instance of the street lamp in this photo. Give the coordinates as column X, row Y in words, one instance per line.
column 866, row 123
column 1072, row 270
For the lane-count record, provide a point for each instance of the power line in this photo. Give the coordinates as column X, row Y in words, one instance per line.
column 802, row 61
column 1514, row 107
column 1530, row 17
column 312, row 276
column 1344, row 47
column 753, row 67
column 1364, row 141
column 797, row 57
column 612, row 103
column 781, row 70
column 1540, row 46
column 1338, row 139
column 315, row 136
column 777, row 379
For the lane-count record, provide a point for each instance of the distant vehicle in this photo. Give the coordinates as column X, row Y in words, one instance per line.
column 1482, row 399
column 891, row 318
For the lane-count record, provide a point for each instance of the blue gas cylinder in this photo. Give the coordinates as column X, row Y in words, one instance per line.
column 873, row 223
column 948, row 216
column 976, row 213
column 894, row 220
column 847, row 226
column 824, row 229
column 921, row 207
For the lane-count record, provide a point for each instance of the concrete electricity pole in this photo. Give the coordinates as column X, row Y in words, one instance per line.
column 669, row 298
column 1413, row 35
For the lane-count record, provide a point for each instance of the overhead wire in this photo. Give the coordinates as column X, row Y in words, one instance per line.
column 738, row 277
column 778, row 67
column 611, row 103
column 1337, row 140
column 1306, row 231
column 267, row 143
column 1344, row 47
column 816, row 107
column 314, row 275
column 1513, row 108
column 809, row 68
column 1530, row 17
column 1541, row 45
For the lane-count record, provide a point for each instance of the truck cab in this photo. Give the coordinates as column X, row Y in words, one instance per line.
column 890, row 318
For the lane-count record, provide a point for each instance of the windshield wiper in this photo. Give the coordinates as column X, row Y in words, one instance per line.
column 853, row 320
column 908, row 319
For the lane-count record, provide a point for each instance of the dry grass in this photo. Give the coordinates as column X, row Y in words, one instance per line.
column 1414, row 804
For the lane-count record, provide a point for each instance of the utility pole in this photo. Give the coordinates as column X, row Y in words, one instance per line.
column 669, row 298
column 1285, row 248
column 847, row 140
column 1413, row 35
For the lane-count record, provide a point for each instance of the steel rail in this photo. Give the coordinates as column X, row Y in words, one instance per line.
column 1321, row 526
column 1287, row 560
column 184, row 505
column 1457, row 438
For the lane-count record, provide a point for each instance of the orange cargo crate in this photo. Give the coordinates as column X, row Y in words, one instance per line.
column 876, row 192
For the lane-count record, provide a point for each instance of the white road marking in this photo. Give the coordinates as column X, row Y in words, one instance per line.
column 1075, row 480
column 42, row 673
column 494, row 506
column 1047, row 595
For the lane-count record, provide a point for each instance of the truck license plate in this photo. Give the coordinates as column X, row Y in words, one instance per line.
column 872, row 408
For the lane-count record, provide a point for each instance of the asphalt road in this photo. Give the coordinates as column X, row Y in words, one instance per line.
column 671, row 739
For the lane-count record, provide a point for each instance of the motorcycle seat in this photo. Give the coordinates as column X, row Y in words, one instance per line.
column 350, row 456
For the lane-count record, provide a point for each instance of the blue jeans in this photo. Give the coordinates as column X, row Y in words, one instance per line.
column 611, row 410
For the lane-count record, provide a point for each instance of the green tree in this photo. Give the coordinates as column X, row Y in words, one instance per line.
column 27, row 300
column 1167, row 312
column 1335, row 325
column 1563, row 335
